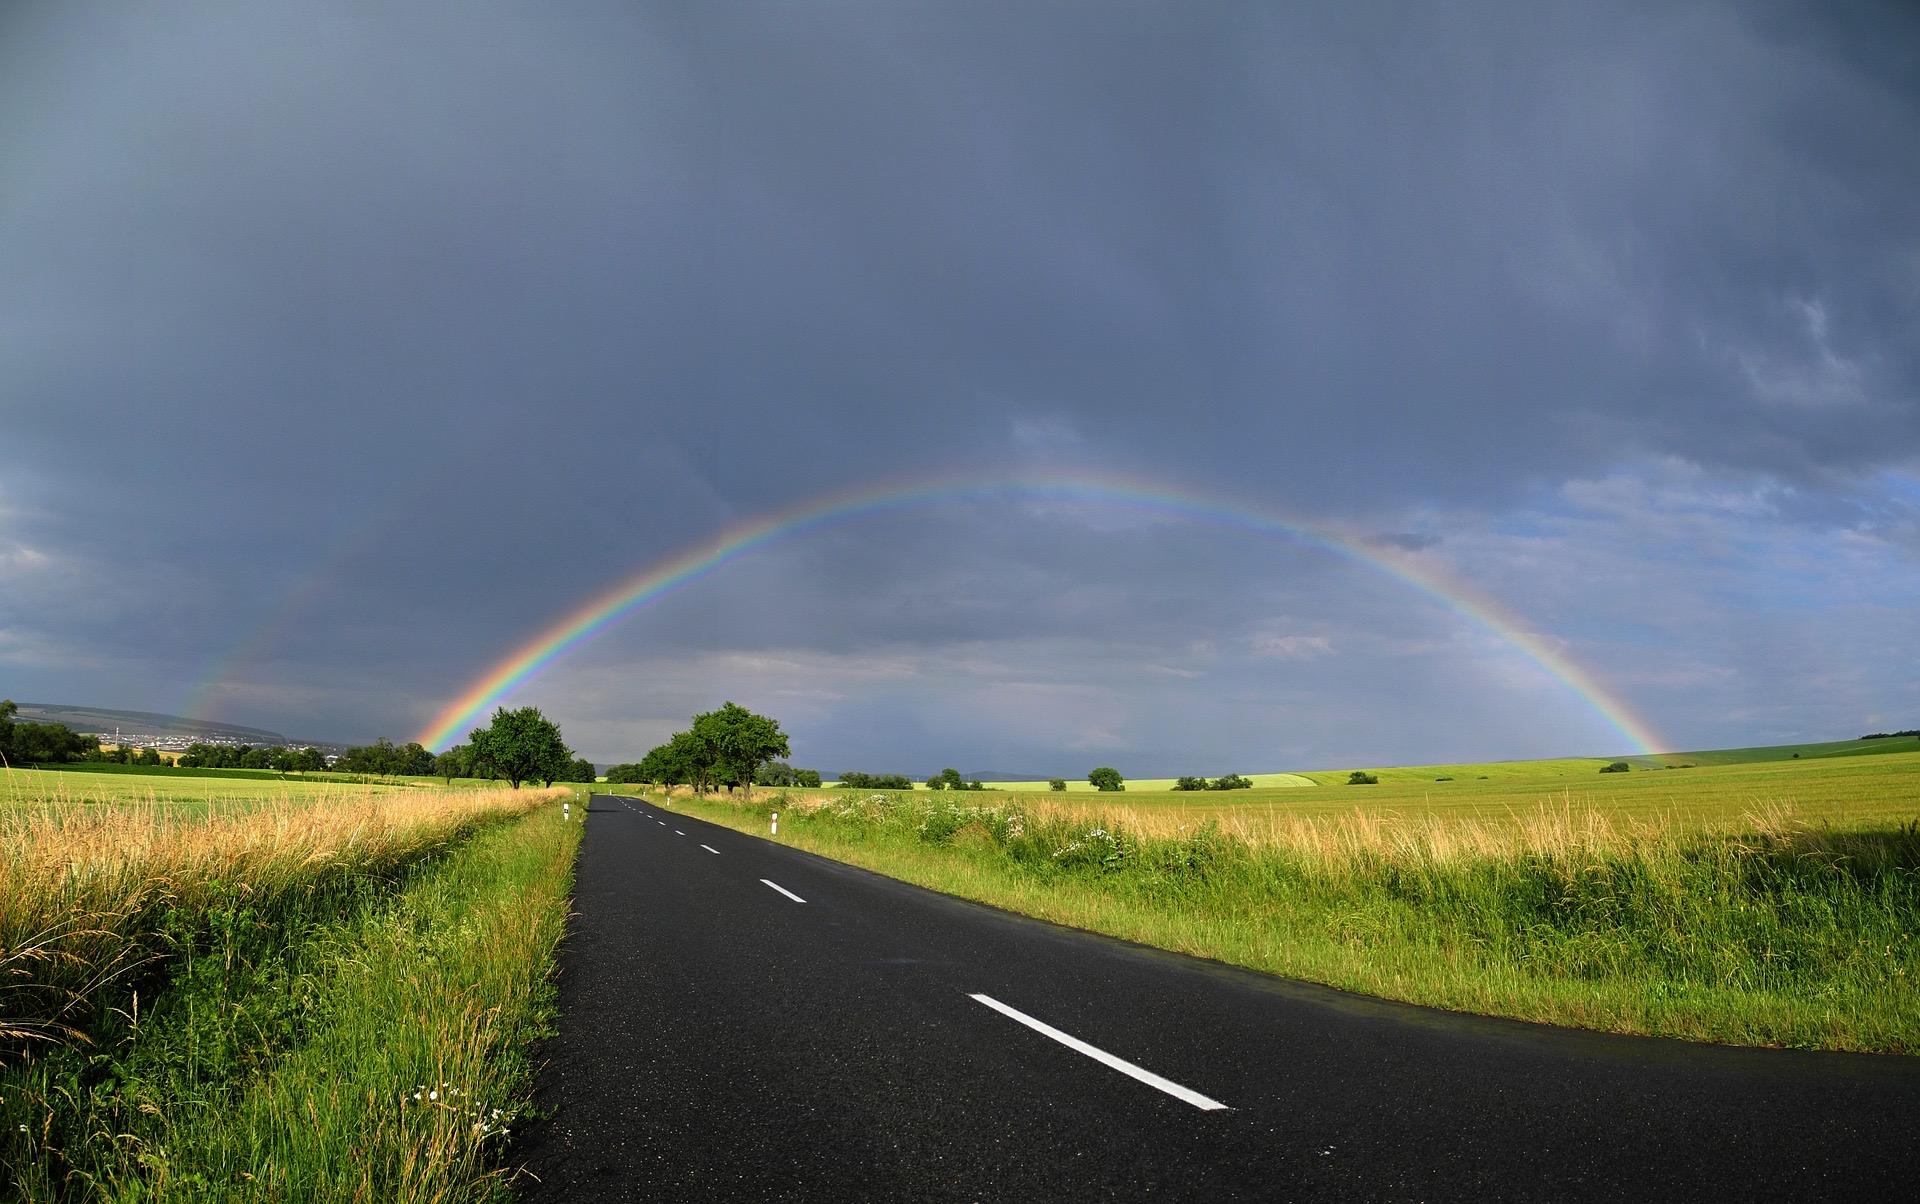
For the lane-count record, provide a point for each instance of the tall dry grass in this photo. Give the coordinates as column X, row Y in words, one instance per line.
column 95, row 900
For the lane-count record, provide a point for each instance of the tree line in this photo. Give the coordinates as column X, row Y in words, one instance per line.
column 1231, row 781
column 730, row 747
column 242, row 756
column 23, row 743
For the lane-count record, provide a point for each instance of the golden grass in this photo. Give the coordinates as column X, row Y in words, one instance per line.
column 88, row 893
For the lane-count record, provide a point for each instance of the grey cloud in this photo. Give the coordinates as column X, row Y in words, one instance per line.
column 433, row 321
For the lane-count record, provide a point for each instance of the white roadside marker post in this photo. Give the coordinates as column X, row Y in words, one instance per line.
column 776, row 823
column 566, row 812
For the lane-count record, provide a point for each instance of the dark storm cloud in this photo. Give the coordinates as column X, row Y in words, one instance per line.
column 436, row 318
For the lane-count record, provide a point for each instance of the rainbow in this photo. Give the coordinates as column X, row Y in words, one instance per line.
column 663, row 577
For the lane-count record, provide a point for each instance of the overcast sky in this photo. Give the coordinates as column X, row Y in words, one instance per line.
column 345, row 347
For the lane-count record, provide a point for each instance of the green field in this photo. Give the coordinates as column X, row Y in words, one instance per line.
column 1082, row 786
column 83, row 786
column 1768, row 900
column 1842, row 790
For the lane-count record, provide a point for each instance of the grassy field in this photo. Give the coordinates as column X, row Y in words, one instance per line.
column 1845, row 790
column 289, row 996
column 1082, row 786
column 1522, row 771
column 1766, row 903
column 68, row 787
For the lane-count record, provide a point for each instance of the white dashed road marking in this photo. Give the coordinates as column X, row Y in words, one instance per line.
column 783, row 890
column 1100, row 1055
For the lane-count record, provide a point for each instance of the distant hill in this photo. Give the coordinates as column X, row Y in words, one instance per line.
column 103, row 721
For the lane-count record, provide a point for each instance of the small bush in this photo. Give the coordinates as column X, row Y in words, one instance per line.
column 1056, row 783
column 1361, row 777
column 1616, row 767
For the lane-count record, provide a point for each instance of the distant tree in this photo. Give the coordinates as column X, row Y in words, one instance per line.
column 8, row 709
column 1361, row 777
column 1190, row 783
column 452, row 763
column 807, row 777
column 1107, row 779
column 521, row 745
column 949, row 779
column 875, row 781
column 310, row 760
column 738, row 742
column 1616, row 767
column 582, row 771
column 1056, row 783
column 49, row 743
column 1231, row 781
column 148, row 756
column 775, row 773
column 936, row 782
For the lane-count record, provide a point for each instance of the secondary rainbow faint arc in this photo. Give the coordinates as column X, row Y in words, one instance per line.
column 664, row 576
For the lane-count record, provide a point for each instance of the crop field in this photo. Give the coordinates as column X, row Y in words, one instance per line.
column 1847, row 792
column 1082, row 786
column 267, row 992
column 1774, row 901
column 67, row 787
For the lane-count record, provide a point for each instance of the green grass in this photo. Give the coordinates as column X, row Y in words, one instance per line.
column 1082, row 786
column 1840, row 790
column 65, row 786
column 1765, row 904
column 268, row 1037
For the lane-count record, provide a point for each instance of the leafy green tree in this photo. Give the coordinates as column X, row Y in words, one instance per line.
column 807, row 777
column 49, row 743
column 8, row 709
column 738, row 742
column 775, row 773
column 1056, row 783
column 1231, row 781
column 1361, row 777
column 1616, row 767
column 452, row 763
column 582, row 771
column 520, row 745
column 875, row 781
column 1108, row 779
column 1190, row 783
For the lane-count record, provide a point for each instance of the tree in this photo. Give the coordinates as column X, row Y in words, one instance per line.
column 738, row 742
column 51, row 743
column 1361, row 777
column 1616, row 767
column 1056, row 783
column 8, row 709
column 775, row 773
column 806, row 777
column 1107, row 779
column 582, row 771
column 522, row 744
column 452, row 763
column 1190, row 784
column 1231, row 781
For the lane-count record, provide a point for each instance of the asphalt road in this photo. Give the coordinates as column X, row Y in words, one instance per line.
column 744, row 1021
